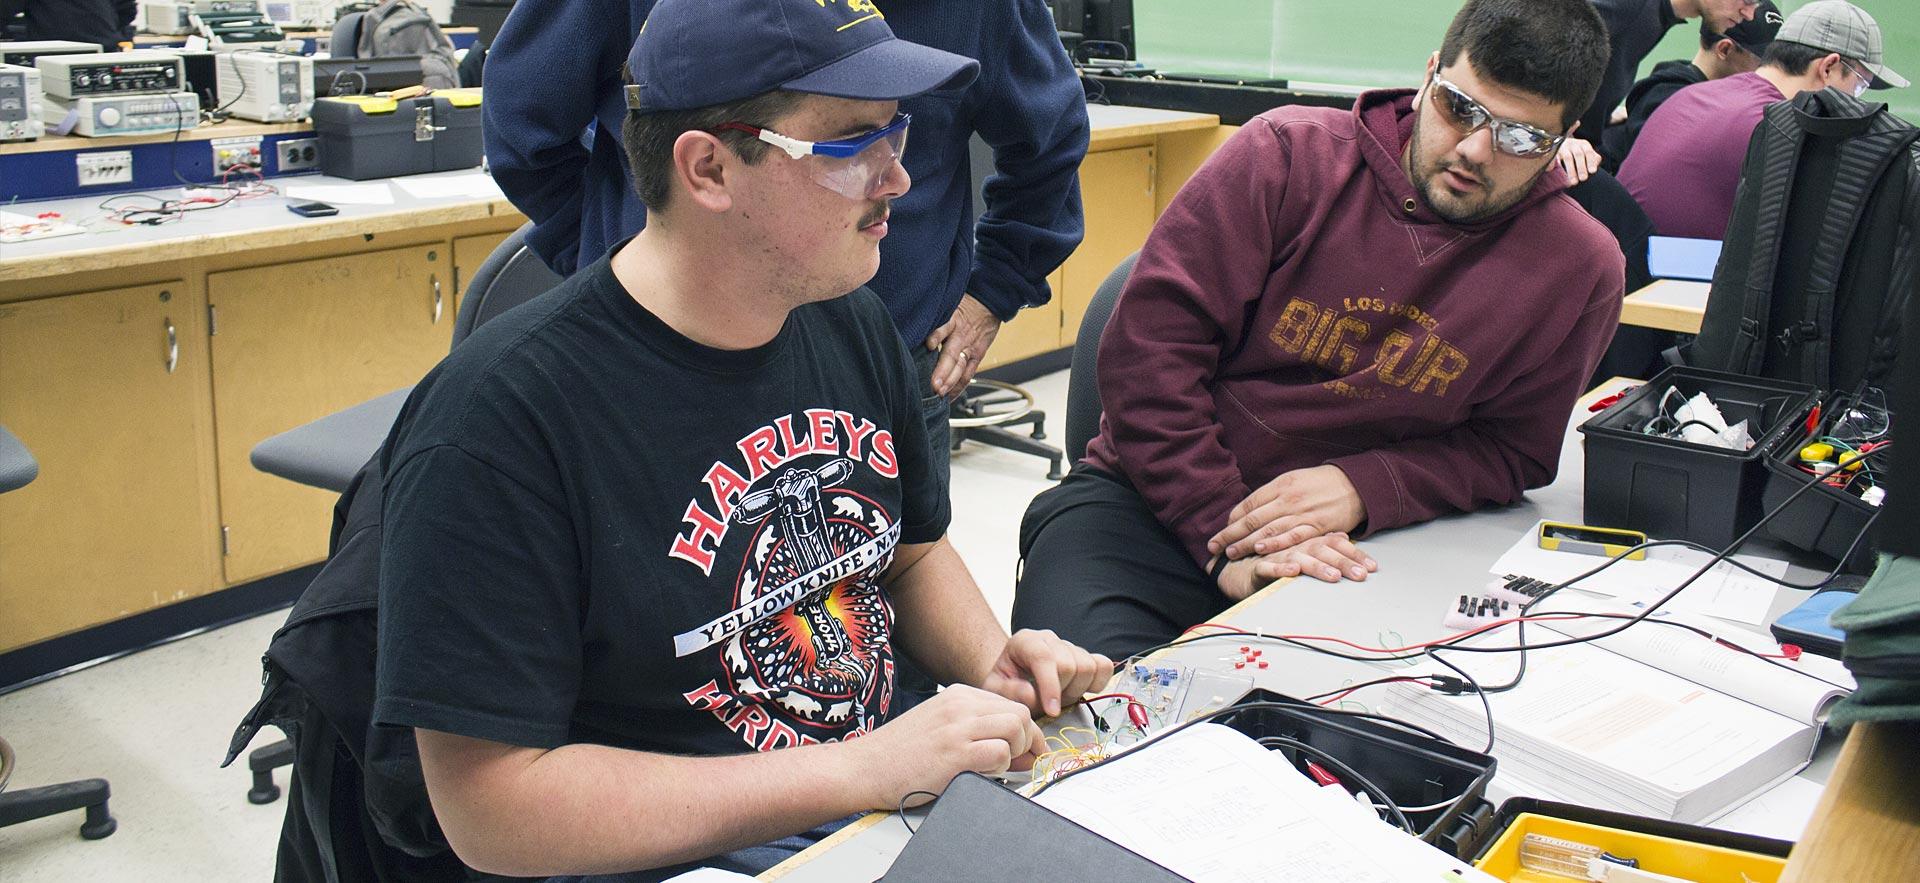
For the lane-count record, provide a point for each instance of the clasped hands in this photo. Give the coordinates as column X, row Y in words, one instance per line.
column 1294, row 525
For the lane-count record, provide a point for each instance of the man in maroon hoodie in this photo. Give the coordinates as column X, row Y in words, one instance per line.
column 1345, row 322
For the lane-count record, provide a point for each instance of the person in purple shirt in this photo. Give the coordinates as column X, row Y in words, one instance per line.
column 1685, row 166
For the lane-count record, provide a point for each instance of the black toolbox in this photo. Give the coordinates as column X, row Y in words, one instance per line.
column 1412, row 768
column 373, row 136
column 1826, row 519
column 1677, row 490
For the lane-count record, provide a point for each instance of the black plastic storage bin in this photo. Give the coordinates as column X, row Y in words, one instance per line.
column 1413, row 769
column 1826, row 520
column 1677, row 490
column 369, row 136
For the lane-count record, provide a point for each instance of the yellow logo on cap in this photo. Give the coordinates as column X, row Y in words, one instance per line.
column 858, row 6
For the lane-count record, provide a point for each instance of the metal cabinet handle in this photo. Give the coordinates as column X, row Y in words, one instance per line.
column 173, row 346
column 436, row 298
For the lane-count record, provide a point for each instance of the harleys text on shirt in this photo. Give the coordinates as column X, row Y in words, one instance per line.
column 816, row 431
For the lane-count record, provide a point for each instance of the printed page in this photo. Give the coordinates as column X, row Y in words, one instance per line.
column 1583, row 707
column 1725, row 591
column 1216, row 807
column 1792, row 689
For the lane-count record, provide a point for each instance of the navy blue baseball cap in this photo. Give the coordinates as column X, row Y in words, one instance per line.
column 697, row 53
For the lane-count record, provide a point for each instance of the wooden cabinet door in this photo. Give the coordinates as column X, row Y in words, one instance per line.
column 469, row 252
column 109, row 391
column 297, row 341
column 1035, row 331
column 1117, row 190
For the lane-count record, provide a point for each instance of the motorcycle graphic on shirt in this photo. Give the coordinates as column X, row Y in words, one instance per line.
column 806, row 649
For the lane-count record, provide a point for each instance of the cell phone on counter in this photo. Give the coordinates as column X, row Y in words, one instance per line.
column 308, row 208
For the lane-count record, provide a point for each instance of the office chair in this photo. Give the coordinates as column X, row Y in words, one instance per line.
column 17, row 470
column 1083, row 380
column 983, row 411
column 327, row 452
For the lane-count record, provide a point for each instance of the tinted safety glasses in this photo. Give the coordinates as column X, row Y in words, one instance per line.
column 853, row 167
column 1511, row 137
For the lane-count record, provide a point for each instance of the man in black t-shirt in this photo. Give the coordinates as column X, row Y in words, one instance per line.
column 654, row 541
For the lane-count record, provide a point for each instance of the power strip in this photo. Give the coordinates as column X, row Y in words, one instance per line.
column 104, row 167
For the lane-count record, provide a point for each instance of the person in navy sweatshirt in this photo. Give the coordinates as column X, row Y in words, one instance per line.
column 1346, row 322
column 553, row 117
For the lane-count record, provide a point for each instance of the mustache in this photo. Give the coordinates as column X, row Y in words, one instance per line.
column 877, row 214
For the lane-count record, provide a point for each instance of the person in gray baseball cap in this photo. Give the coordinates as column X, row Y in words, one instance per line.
column 1685, row 166
column 1846, row 30
column 655, row 541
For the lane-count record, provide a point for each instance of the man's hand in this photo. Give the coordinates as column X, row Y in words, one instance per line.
column 1578, row 159
column 1328, row 558
column 961, row 729
column 1042, row 672
column 1291, row 509
column 962, row 343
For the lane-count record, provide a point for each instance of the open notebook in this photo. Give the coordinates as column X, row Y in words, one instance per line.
column 1655, row 721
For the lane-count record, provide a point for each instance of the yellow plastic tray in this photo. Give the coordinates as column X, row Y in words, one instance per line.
column 1661, row 855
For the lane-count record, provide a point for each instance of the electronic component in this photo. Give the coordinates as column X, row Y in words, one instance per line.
column 311, row 209
column 365, row 76
column 300, row 13
column 236, row 23
column 1502, row 599
column 1607, row 542
column 20, row 103
column 97, row 168
column 23, row 52
column 98, row 115
column 267, row 87
column 111, row 73
column 167, row 16
column 295, row 154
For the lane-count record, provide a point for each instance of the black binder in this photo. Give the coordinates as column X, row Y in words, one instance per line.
column 980, row 832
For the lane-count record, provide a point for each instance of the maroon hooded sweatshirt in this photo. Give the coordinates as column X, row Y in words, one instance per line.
column 1299, row 304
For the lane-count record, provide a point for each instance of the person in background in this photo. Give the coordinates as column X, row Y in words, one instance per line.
column 1634, row 27
column 1720, row 56
column 652, row 541
column 553, row 142
column 1304, row 353
column 106, row 22
column 1685, row 168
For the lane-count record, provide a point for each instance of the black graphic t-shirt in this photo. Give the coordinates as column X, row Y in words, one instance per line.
column 598, row 530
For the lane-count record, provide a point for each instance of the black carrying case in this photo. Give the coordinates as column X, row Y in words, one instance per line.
column 1676, row 490
column 1826, row 520
column 369, row 136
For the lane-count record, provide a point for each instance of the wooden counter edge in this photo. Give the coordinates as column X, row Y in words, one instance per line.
column 1104, row 135
column 126, row 254
column 1866, row 828
column 1665, row 317
column 798, row 859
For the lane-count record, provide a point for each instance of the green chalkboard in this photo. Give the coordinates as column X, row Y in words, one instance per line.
column 1387, row 44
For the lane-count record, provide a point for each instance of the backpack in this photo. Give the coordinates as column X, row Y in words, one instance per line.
column 398, row 27
column 1820, row 250
column 357, row 805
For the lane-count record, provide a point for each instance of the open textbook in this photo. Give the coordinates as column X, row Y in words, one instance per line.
column 1655, row 720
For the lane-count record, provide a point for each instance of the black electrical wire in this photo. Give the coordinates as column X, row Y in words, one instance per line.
column 1243, row 707
column 1344, row 773
column 902, row 806
column 1642, row 616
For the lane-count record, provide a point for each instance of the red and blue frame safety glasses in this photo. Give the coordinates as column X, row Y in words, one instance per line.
column 852, row 167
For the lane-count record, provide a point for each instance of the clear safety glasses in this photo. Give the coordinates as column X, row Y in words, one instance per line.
column 852, row 167
column 1510, row 136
